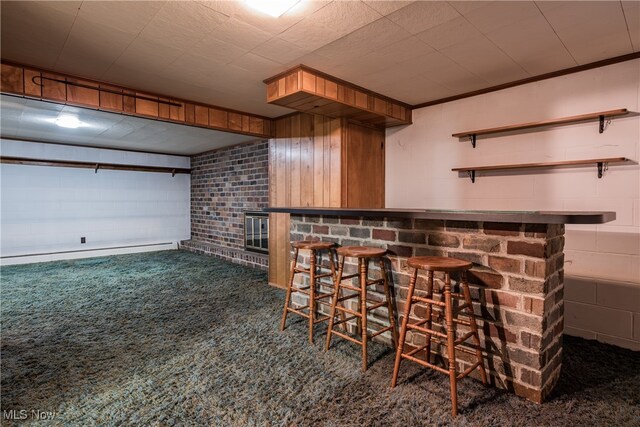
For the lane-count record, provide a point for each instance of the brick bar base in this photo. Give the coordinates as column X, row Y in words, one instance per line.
column 516, row 284
column 238, row 256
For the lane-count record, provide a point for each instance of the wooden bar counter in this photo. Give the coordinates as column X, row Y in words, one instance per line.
column 516, row 282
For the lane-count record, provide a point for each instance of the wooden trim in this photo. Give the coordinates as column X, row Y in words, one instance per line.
column 37, row 83
column 541, row 165
column 335, row 79
column 577, row 69
column 306, row 89
column 549, row 122
column 91, row 165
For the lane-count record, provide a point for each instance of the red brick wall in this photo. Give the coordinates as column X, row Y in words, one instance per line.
column 225, row 183
column 516, row 284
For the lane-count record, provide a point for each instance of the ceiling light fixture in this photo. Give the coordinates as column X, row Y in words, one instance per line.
column 273, row 8
column 67, row 121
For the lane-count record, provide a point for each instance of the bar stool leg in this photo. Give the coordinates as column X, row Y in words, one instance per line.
column 364, row 267
column 334, row 303
column 403, row 328
column 312, row 293
column 429, row 313
column 387, row 293
column 335, row 281
column 287, row 299
column 451, row 344
column 472, row 322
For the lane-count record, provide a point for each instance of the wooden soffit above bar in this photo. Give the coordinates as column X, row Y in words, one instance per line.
column 70, row 90
column 305, row 89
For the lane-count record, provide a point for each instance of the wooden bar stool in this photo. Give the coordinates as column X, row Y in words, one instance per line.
column 315, row 274
column 446, row 265
column 364, row 254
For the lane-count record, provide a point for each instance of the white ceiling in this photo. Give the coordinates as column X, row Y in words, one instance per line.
column 28, row 119
column 218, row 52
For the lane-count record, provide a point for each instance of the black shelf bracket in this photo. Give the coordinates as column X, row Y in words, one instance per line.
column 602, row 167
column 472, row 175
column 472, row 137
column 96, row 168
column 601, row 128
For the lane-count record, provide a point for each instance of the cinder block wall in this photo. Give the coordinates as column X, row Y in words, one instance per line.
column 602, row 262
column 225, row 183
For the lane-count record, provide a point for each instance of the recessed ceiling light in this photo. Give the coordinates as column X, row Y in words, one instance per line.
column 68, row 121
column 274, row 8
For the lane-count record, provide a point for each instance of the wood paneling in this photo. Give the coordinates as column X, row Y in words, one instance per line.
column 304, row 170
column 40, row 84
column 305, row 89
column 363, row 167
column 318, row 161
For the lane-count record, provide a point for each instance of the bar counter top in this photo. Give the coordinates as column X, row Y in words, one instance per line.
column 529, row 217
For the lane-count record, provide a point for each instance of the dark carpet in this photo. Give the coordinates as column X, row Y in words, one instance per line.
column 174, row 338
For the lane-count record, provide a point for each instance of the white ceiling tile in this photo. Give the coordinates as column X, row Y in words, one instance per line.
column 309, row 37
column 372, row 37
column 445, row 72
column 532, row 44
column 631, row 11
column 495, row 15
column 457, row 30
column 388, row 6
column 258, row 64
column 131, row 19
column 211, row 51
column 590, row 30
column 484, row 59
column 464, row 7
column 344, row 16
column 90, row 45
column 239, row 33
column 280, row 51
column 423, row 15
column 34, row 32
column 144, row 54
column 200, row 50
column 243, row 12
column 403, row 50
column 423, row 88
column 181, row 25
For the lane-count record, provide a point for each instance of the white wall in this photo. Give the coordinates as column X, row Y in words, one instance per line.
column 602, row 262
column 48, row 209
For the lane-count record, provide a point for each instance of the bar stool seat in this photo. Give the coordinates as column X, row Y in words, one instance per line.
column 438, row 263
column 360, row 252
column 312, row 245
column 312, row 291
column 449, row 338
column 364, row 254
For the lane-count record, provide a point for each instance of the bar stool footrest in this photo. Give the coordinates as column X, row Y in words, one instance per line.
column 428, row 301
column 468, row 370
column 425, row 364
column 346, row 337
column 381, row 331
column 427, row 331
